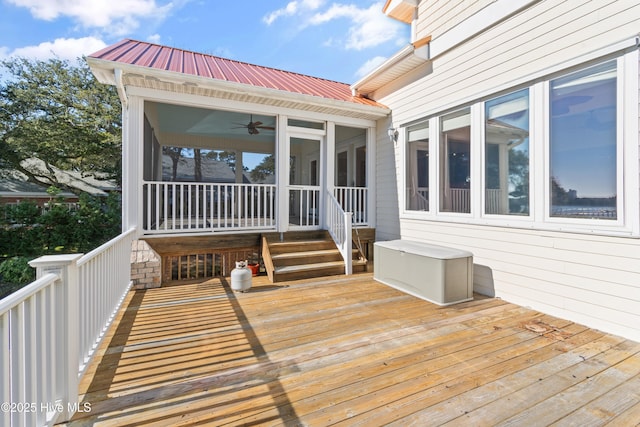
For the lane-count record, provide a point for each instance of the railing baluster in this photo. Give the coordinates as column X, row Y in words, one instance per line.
column 183, row 207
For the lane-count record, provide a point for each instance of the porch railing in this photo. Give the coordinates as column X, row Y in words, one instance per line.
column 179, row 207
column 355, row 200
column 51, row 328
column 418, row 199
column 304, row 205
column 494, row 201
column 458, row 200
column 339, row 227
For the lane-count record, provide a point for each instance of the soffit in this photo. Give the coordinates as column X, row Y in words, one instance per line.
column 405, row 61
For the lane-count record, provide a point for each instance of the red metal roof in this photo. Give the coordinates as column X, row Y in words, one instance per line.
column 166, row 58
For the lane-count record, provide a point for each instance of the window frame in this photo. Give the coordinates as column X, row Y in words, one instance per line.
column 621, row 194
column 539, row 218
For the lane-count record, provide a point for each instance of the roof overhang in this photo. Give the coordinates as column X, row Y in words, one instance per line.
column 412, row 56
column 402, row 10
column 124, row 75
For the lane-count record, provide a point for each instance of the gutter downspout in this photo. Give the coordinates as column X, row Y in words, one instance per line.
column 120, row 87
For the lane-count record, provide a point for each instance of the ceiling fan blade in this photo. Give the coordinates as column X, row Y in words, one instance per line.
column 266, row 127
column 255, row 124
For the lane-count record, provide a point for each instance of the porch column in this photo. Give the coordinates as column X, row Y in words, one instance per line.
column 282, row 175
column 330, row 169
column 239, row 171
column 132, row 161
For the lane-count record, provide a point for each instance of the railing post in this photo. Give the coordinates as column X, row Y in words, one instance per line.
column 65, row 266
column 348, row 257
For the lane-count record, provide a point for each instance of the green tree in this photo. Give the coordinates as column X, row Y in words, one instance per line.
column 265, row 168
column 57, row 112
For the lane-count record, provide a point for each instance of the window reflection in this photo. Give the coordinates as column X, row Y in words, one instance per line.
column 507, row 154
column 583, row 144
column 417, row 198
column 455, row 162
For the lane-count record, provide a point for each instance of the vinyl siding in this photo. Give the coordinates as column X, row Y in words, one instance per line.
column 590, row 279
column 387, row 184
column 436, row 17
column 535, row 40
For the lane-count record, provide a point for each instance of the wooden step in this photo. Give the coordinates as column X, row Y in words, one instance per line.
column 306, row 257
column 298, row 255
column 319, row 269
column 301, row 246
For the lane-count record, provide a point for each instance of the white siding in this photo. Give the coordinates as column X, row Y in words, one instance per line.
column 524, row 45
column 594, row 280
column 387, row 163
column 435, row 17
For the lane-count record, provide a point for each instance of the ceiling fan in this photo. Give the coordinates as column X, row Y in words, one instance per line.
column 253, row 127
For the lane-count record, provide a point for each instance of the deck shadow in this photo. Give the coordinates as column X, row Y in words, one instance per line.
column 182, row 354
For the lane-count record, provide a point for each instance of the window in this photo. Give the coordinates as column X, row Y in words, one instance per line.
column 417, row 198
column 455, row 162
column 549, row 156
column 507, row 154
column 583, row 143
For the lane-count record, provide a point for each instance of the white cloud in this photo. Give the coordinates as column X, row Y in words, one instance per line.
column 292, row 8
column 367, row 27
column 369, row 66
column 154, row 38
column 69, row 49
column 117, row 17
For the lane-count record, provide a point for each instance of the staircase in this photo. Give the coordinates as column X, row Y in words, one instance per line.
column 300, row 255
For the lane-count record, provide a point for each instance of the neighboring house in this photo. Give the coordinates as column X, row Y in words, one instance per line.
column 508, row 128
column 211, row 170
column 15, row 186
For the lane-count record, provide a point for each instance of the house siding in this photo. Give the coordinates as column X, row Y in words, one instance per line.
column 511, row 53
column 590, row 279
column 438, row 16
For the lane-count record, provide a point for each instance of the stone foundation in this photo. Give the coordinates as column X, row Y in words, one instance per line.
column 146, row 269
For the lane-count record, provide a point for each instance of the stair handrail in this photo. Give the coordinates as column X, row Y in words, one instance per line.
column 339, row 227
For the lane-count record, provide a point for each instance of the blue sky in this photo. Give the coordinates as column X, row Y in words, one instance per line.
column 338, row 40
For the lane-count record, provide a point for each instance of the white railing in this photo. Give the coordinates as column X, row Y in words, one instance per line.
column 304, row 205
column 339, row 227
column 180, row 207
column 51, row 327
column 354, row 199
column 494, row 203
column 459, row 200
column 104, row 276
column 418, row 199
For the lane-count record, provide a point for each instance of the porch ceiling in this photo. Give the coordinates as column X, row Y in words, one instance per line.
column 179, row 119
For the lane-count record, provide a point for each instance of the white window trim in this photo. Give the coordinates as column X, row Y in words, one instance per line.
column 628, row 164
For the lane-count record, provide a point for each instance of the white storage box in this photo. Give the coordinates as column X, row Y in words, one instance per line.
column 434, row 273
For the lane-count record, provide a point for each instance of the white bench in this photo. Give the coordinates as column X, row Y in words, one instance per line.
column 438, row 274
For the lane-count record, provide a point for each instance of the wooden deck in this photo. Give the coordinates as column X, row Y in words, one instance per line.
column 350, row 351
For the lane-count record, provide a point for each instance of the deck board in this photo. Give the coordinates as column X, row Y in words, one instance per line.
column 350, row 351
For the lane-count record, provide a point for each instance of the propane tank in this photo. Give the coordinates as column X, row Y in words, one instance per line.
column 241, row 277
